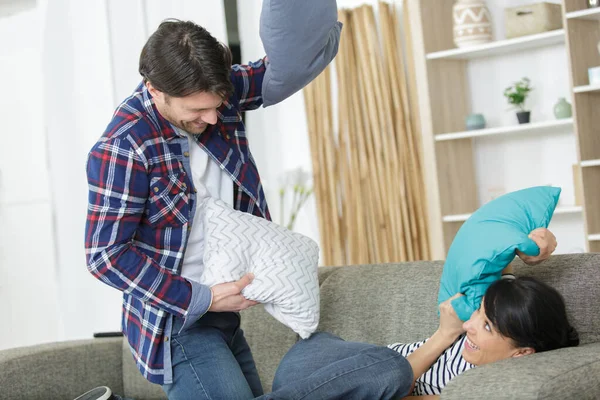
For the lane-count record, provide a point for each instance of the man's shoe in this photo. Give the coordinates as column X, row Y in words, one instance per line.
column 99, row 393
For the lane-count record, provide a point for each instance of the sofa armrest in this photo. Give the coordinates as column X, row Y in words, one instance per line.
column 62, row 370
column 570, row 373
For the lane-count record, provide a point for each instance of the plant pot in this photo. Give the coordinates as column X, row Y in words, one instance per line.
column 524, row 116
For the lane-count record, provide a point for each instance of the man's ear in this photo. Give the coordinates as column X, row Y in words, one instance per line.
column 523, row 351
column 155, row 93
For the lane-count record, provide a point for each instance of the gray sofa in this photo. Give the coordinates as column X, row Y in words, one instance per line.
column 373, row 303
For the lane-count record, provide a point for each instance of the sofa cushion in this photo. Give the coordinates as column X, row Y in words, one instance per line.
column 284, row 263
column 486, row 243
column 570, row 373
column 376, row 303
column 61, row 370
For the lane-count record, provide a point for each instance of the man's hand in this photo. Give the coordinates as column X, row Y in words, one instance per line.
column 228, row 297
column 545, row 240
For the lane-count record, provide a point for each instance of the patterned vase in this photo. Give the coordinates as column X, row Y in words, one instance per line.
column 472, row 23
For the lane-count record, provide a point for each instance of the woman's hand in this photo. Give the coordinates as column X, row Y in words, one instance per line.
column 450, row 325
column 545, row 240
column 450, row 328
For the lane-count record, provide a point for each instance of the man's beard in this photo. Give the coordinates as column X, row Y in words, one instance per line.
column 189, row 126
column 192, row 128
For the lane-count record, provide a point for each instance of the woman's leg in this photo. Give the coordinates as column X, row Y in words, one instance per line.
column 328, row 367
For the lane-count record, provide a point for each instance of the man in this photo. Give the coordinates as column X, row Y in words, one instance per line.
column 178, row 138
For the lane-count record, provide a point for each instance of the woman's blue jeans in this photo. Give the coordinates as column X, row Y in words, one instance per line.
column 327, row 367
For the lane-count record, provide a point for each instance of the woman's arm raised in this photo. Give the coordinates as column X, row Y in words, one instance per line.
column 450, row 328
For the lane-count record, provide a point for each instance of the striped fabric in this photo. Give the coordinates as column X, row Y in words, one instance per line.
column 140, row 203
column 446, row 367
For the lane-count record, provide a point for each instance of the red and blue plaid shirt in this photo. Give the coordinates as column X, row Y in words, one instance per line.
column 140, row 203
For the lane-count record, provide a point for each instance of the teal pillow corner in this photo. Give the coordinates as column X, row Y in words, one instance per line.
column 487, row 242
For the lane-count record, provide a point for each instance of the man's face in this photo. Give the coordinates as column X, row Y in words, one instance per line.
column 192, row 113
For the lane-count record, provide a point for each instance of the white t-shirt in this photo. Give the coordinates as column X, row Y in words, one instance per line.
column 209, row 180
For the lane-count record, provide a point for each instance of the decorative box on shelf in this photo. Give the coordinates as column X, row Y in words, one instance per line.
column 532, row 19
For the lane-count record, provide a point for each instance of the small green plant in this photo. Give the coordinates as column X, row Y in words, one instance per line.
column 299, row 181
column 518, row 92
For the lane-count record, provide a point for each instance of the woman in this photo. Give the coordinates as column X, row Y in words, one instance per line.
column 517, row 317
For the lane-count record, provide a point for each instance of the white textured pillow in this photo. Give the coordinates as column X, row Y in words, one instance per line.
column 284, row 263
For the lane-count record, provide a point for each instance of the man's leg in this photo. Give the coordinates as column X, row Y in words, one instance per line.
column 204, row 366
column 325, row 366
column 243, row 355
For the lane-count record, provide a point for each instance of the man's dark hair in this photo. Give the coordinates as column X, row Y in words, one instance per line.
column 182, row 58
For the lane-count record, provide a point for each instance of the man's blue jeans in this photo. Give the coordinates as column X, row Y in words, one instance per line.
column 212, row 360
column 327, row 367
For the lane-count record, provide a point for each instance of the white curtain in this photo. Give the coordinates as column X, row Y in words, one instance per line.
column 28, row 287
column 69, row 63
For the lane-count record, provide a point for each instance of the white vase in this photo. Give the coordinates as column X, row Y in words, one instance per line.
column 472, row 23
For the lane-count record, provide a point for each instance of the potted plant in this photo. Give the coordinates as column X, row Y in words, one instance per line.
column 516, row 96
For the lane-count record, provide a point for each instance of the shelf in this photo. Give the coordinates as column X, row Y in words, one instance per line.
column 456, row 218
column 590, row 163
column 558, row 211
column 586, row 89
column 502, row 46
column 589, row 14
column 533, row 127
column 594, row 238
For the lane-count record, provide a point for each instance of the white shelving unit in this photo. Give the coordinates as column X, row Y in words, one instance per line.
column 590, row 14
column 502, row 46
column 590, row 163
column 562, row 210
column 453, row 166
column 586, row 89
column 594, row 238
column 545, row 127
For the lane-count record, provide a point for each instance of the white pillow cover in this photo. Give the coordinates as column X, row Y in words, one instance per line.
column 284, row 263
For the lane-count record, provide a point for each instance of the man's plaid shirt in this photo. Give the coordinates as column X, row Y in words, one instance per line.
column 140, row 200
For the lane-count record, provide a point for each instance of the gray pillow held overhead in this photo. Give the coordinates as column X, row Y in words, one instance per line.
column 301, row 38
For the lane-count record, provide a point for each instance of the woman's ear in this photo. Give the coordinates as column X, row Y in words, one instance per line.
column 523, row 351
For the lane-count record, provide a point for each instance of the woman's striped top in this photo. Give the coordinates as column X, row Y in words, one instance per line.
column 445, row 368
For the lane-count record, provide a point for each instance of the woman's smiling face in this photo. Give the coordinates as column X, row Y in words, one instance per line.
column 484, row 344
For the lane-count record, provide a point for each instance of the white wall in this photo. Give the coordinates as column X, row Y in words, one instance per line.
column 28, row 289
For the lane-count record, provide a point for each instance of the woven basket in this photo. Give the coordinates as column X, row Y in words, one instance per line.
column 532, row 19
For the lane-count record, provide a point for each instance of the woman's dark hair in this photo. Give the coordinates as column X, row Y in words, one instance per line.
column 530, row 313
column 182, row 58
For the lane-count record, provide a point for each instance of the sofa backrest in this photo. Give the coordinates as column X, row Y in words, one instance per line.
column 390, row 303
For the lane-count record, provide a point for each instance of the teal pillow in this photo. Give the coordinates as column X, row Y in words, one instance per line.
column 487, row 241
